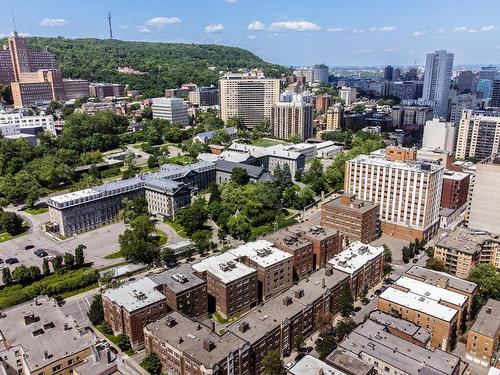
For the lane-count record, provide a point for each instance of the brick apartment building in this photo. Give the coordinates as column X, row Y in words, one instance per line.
column 358, row 220
column 274, row 267
column 455, row 189
column 131, row 306
column 363, row 263
column 184, row 291
column 232, row 286
column 299, row 246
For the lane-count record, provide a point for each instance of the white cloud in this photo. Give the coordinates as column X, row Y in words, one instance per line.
column 294, row 26
column 364, row 50
column 392, row 49
column 461, row 29
column 488, row 28
column 358, row 31
column 124, row 27
column 383, row 29
column 144, row 30
column 162, row 21
column 51, row 22
column 256, row 25
column 440, row 31
column 214, row 28
column 231, row 1
column 251, row 37
column 336, row 29
column 419, row 33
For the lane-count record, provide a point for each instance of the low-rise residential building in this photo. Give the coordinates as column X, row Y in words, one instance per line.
column 390, row 354
column 274, row 267
column 300, row 247
column 187, row 347
column 38, row 338
column 232, row 286
column 131, row 306
column 224, row 170
column 363, row 263
column 310, row 365
column 483, row 337
column 184, row 291
column 205, row 137
column 349, row 364
column 355, row 218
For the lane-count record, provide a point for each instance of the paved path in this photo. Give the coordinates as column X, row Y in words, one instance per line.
column 173, row 236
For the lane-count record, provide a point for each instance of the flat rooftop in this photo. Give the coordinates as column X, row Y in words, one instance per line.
column 261, row 252
column 189, row 337
column 288, row 239
column 437, row 278
column 463, row 240
column 488, row 319
column 456, row 176
column 341, row 358
column 68, row 197
column 135, row 295
column 316, row 231
column 178, row 279
column 355, row 256
column 310, row 365
column 419, row 303
column 356, row 205
column 224, row 267
column 420, row 334
column 430, row 291
column 372, row 339
column 39, row 327
column 379, row 160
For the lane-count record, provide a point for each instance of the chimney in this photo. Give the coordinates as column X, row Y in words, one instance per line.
column 213, row 325
column 299, row 293
column 287, row 300
column 328, row 271
column 208, row 345
column 323, row 284
column 244, row 326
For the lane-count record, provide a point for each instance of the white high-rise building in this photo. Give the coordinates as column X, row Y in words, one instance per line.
column 307, row 73
column 174, row 110
column 348, row 94
column 292, row 118
column 439, row 135
column 478, row 134
column 437, row 80
column 407, row 190
column 248, row 97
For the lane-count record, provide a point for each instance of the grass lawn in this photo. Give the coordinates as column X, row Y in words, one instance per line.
column 180, row 160
column 266, row 142
column 177, row 227
column 163, row 236
column 4, row 236
column 36, row 210
column 116, row 255
column 112, row 338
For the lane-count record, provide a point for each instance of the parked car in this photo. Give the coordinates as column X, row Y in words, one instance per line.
column 357, row 308
column 415, row 260
column 28, row 247
column 1, row 260
column 299, row 356
column 365, row 301
column 11, row 260
column 377, row 292
column 40, row 253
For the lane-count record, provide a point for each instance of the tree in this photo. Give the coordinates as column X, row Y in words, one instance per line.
column 344, row 327
column 152, row 364
column 11, row 223
column 193, row 218
column 406, row 254
column 57, row 263
column 137, row 243
column 345, row 300
column 436, row 264
column 153, row 162
column 123, row 342
column 298, row 342
column 96, row 311
column 294, row 139
column 45, row 267
column 287, row 176
column 201, row 239
column 6, row 276
column 21, row 275
column 80, row 256
column 167, row 255
column 273, row 365
column 487, row 279
column 69, row 260
column 34, row 273
column 327, row 345
column 240, row 176
column 132, row 208
column 239, row 227
column 387, row 254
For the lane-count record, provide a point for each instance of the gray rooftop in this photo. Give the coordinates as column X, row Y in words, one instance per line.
column 253, row 171
column 135, row 295
column 463, row 240
column 287, row 239
column 341, row 359
column 437, row 278
column 420, row 334
column 371, row 338
column 41, row 327
column 189, row 336
column 316, row 231
column 310, row 365
column 365, row 206
column 488, row 319
column 178, row 279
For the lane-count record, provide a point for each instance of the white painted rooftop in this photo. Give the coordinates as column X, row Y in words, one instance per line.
column 355, row 256
column 379, row 160
column 68, row 197
column 261, row 252
column 224, row 266
column 310, row 365
column 431, row 291
column 420, row 303
column 135, row 295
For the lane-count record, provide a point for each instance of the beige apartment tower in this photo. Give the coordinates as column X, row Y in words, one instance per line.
column 478, row 134
column 334, row 117
column 289, row 119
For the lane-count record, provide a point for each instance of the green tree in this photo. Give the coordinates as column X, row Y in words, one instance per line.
column 387, row 254
column 153, row 162
column 436, row 264
column 152, row 364
column 487, row 279
column 45, row 267
column 346, row 301
column 344, row 327
column 194, row 217
column 11, row 223
column 6, row 276
column 57, row 263
column 96, row 311
column 201, row 239
column 79, row 256
column 239, row 227
column 69, row 260
column 132, row 208
column 123, row 342
column 240, row 176
column 167, row 255
column 273, row 365
column 327, row 345
column 137, row 243
column 294, row 139
column 286, row 176
column 298, row 342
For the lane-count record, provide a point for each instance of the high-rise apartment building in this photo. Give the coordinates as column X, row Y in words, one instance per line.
column 204, row 96
column 478, row 134
column 439, row 135
column 293, row 118
column 396, row 74
column 323, row 101
column 437, row 80
column 321, row 73
column 348, row 94
column 304, row 74
column 174, row 110
column 488, row 72
column 466, row 82
column 408, row 191
column 403, row 115
column 484, row 88
column 248, row 97
column 455, row 190
column 334, row 117
column 388, row 70
column 495, row 93
column 103, row 90
column 459, row 102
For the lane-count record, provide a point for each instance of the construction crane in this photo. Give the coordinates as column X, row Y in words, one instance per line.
column 109, row 23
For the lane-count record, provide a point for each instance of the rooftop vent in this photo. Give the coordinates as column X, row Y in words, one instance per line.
column 180, row 278
column 287, row 300
column 244, row 326
column 299, row 293
column 208, row 345
column 328, row 271
column 170, row 321
column 488, row 310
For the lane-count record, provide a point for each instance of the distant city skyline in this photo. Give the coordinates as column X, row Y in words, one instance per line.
column 286, row 32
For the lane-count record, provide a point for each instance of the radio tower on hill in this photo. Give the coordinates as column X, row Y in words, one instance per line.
column 109, row 23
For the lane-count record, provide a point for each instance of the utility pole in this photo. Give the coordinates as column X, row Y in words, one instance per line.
column 109, row 23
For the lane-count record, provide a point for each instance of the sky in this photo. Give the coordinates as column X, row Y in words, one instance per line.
column 287, row 32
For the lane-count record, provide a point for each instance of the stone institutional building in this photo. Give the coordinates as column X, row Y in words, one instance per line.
column 166, row 192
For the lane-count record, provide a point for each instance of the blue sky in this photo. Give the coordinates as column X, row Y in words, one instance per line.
column 289, row 32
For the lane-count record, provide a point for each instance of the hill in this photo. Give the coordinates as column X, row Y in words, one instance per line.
column 168, row 65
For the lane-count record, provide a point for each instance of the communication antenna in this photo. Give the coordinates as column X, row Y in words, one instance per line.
column 109, row 23
column 13, row 19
